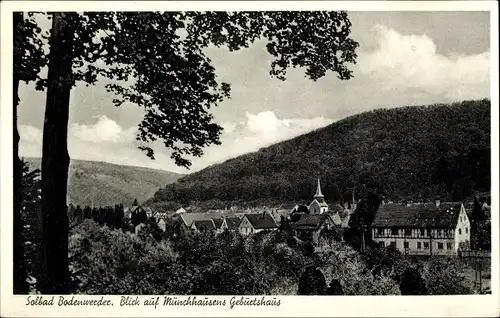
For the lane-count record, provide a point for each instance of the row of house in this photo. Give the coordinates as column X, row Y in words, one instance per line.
column 307, row 221
column 416, row 229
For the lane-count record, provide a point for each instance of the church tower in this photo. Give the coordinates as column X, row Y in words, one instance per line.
column 318, row 205
column 319, row 195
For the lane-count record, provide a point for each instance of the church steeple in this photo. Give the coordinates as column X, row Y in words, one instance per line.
column 318, row 194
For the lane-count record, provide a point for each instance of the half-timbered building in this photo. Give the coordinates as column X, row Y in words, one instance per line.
column 422, row 229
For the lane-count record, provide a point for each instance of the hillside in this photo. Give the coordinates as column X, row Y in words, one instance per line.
column 110, row 184
column 409, row 152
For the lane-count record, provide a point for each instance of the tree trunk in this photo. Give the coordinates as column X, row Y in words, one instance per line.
column 19, row 281
column 55, row 157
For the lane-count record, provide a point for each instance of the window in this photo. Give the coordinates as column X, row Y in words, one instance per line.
column 426, row 245
column 440, row 246
column 466, row 230
column 428, row 232
column 422, row 232
column 382, row 244
column 393, row 244
column 406, row 244
column 394, row 231
column 448, row 246
column 459, row 231
column 380, row 232
column 408, row 232
column 419, row 245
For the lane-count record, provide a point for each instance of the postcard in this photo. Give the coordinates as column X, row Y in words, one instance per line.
column 249, row 158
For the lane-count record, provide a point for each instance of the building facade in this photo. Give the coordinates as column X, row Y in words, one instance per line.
column 257, row 222
column 422, row 229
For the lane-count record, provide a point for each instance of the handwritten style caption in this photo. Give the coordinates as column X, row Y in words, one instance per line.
column 155, row 301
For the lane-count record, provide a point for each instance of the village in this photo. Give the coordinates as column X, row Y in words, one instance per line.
column 413, row 228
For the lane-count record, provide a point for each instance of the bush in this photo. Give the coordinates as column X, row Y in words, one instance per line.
column 446, row 276
column 341, row 262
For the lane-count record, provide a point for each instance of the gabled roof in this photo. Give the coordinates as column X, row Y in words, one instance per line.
column 189, row 218
column 321, row 204
column 261, row 221
column 420, row 215
column 204, row 224
column 217, row 222
column 311, row 221
column 233, row 223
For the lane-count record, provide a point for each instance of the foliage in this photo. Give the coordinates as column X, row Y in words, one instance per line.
column 341, row 262
column 387, row 261
column 412, row 283
column 445, row 276
column 106, row 260
column 175, row 82
column 30, row 213
column 397, row 153
column 312, row 282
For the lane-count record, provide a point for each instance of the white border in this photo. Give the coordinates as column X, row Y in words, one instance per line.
column 291, row 306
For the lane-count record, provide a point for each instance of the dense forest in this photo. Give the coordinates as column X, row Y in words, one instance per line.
column 402, row 153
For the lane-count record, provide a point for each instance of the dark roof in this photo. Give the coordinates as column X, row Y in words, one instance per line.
column 261, row 221
column 217, row 222
column 233, row 223
column 167, row 220
column 206, row 224
column 422, row 215
column 310, row 221
column 287, row 207
column 302, row 208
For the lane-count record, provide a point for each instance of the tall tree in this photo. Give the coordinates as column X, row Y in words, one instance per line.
column 28, row 59
column 55, row 157
column 174, row 82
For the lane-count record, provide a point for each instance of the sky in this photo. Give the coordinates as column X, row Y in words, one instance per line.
column 404, row 58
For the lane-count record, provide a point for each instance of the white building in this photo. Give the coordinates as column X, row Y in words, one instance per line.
column 422, row 229
column 318, row 204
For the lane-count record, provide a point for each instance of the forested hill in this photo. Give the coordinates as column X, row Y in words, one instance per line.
column 409, row 152
column 108, row 184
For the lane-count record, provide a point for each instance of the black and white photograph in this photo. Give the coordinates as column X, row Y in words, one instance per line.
column 254, row 152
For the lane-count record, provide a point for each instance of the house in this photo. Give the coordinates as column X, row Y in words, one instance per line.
column 254, row 223
column 310, row 227
column 164, row 222
column 422, row 229
column 230, row 223
column 203, row 225
column 318, row 205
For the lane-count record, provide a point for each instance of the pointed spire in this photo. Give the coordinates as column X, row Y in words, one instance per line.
column 318, row 194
